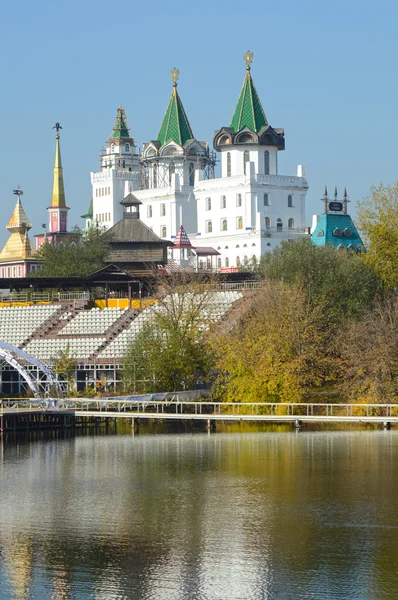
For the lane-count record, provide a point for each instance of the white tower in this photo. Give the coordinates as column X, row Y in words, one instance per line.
column 119, row 174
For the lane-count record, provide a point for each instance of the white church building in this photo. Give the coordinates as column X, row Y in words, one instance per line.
column 242, row 214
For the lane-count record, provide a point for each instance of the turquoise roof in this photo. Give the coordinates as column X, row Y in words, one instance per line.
column 337, row 230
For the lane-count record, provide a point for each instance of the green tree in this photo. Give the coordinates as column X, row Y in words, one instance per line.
column 378, row 222
column 346, row 285
column 65, row 368
column 82, row 253
column 171, row 352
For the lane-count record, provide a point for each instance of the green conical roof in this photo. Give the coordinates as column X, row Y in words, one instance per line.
column 121, row 128
column 248, row 112
column 90, row 212
column 175, row 125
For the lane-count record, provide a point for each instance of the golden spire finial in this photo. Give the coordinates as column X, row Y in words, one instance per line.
column 248, row 58
column 175, row 73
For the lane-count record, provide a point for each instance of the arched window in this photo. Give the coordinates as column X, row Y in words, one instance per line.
column 239, row 223
column 226, row 247
column 127, row 148
column 219, row 263
column 172, row 170
column 290, row 223
column 228, row 164
column 238, row 261
column 208, row 203
column 290, row 201
column 266, row 162
column 267, row 223
column 246, row 158
column 227, row 262
column 238, row 199
column 266, row 200
column 237, row 246
column 163, row 231
column 279, row 225
column 223, row 202
column 162, row 210
column 224, row 225
column 191, row 174
column 112, row 148
column 149, row 212
column 209, row 226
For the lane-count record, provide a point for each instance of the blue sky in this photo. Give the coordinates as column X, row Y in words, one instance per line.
column 325, row 72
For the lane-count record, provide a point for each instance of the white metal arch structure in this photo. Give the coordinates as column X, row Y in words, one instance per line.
column 47, row 385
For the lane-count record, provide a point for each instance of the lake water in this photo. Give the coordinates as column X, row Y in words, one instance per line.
column 279, row 516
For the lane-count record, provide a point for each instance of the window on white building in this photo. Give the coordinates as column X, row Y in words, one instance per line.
column 238, row 261
column 290, row 201
column 266, row 162
column 223, row 202
column 279, row 224
column 239, row 223
column 290, row 223
column 191, row 174
column 226, row 262
column 172, row 170
column 208, row 203
column 162, row 210
column 163, row 231
column 228, row 164
column 219, row 263
column 127, row 147
column 266, row 200
column 113, row 148
column 246, row 159
column 224, row 225
column 149, row 212
column 209, row 226
column 238, row 199
column 155, row 175
column 267, row 223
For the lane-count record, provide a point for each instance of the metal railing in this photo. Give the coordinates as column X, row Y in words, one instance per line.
column 186, row 405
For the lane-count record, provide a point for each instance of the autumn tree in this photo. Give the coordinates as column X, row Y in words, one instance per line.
column 378, row 223
column 369, row 350
column 277, row 351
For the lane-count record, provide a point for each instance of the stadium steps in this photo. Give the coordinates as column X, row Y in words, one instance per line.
column 118, row 326
column 57, row 321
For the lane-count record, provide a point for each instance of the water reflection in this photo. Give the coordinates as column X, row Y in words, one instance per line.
column 252, row 516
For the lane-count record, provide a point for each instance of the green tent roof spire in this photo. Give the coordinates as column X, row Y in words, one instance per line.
column 121, row 128
column 248, row 112
column 175, row 125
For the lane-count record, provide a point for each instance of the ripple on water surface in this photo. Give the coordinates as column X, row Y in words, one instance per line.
column 255, row 516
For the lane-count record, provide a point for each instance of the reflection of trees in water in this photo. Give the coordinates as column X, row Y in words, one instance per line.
column 196, row 513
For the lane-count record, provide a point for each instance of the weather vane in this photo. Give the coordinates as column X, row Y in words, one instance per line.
column 57, row 126
column 175, row 73
column 248, row 58
column 18, row 192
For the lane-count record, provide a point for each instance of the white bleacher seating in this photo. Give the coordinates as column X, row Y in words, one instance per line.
column 17, row 323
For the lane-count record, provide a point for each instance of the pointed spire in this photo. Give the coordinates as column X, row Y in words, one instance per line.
column 58, row 199
column 249, row 111
column 18, row 245
column 175, row 125
column 335, row 192
column 182, row 240
column 325, row 200
column 19, row 221
column 121, row 128
column 90, row 212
